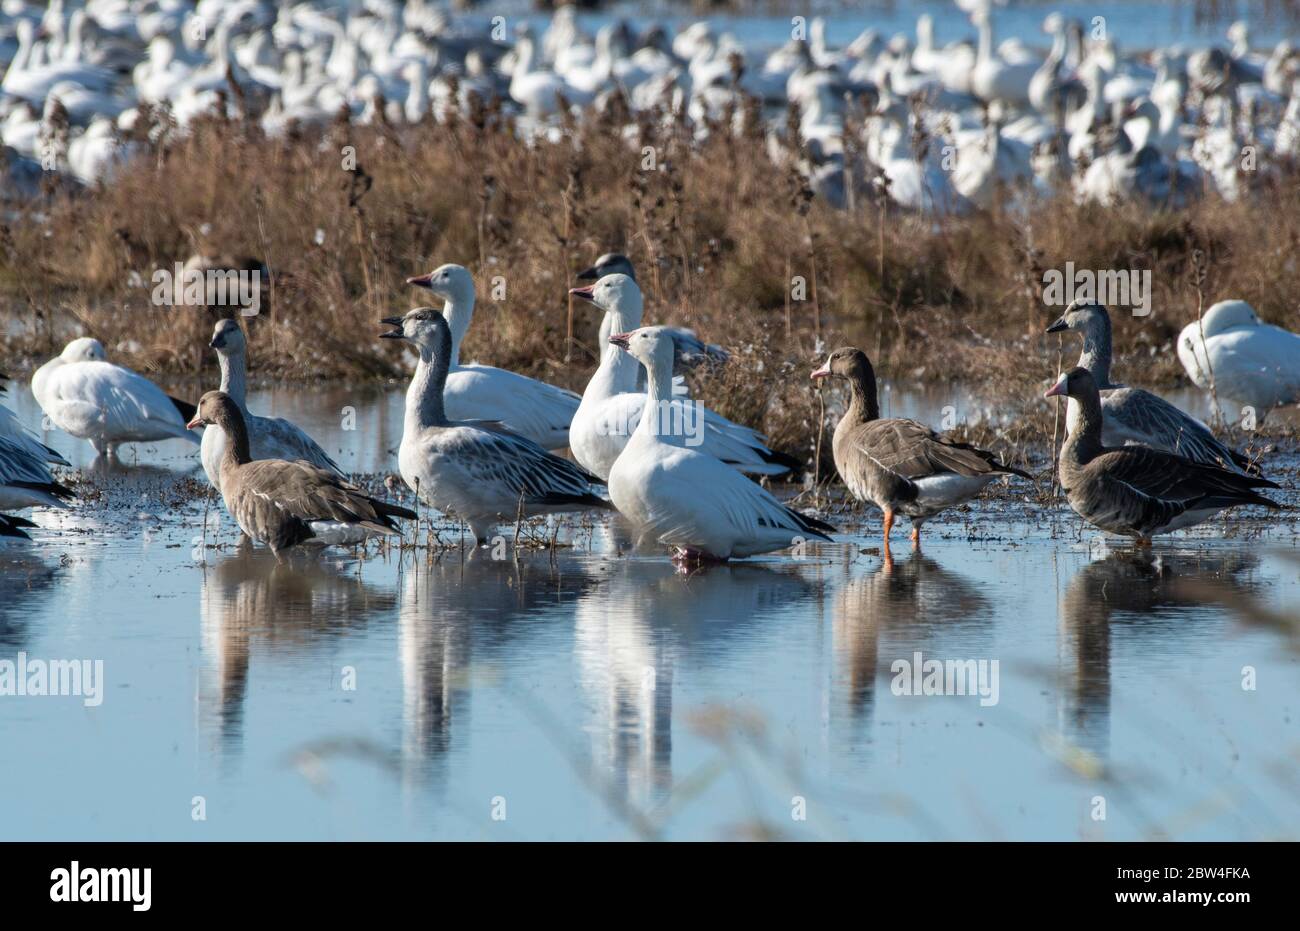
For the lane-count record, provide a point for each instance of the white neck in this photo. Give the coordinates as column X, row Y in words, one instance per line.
column 234, row 379
column 459, row 311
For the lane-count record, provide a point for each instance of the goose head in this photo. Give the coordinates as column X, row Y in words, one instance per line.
column 1228, row 315
column 1077, row 383
column 615, row 294
column 426, row 327
column 847, row 362
column 452, row 283
column 84, row 349
column 1082, row 317
column 649, row 345
column 228, row 338
column 216, row 408
column 610, row 263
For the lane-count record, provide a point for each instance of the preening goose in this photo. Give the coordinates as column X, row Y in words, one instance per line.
column 529, row 407
column 691, row 350
column 286, row 504
column 680, row 497
column 1133, row 415
column 1136, row 491
column 268, row 437
column 612, row 404
column 475, row 470
column 900, row 466
column 87, row 396
column 1248, row 361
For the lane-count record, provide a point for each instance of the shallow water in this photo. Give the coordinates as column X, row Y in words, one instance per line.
column 583, row 694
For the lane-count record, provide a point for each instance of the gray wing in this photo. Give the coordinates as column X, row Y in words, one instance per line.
column 519, row 466
column 1138, row 416
column 294, row 444
column 18, row 464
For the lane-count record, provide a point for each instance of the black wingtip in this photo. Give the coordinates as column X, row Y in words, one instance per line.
column 793, row 466
column 187, row 409
column 10, row 527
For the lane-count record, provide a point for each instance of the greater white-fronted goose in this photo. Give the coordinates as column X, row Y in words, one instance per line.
column 89, row 397
column 1244, row 359
column 475, row 470
column 1134, row 415
column 613, row 403
column 1136, row 491
column 901, row 466
column 691, row 350
column 683, row 498
column 529, row 407
column 268, row 437
column 285, row 504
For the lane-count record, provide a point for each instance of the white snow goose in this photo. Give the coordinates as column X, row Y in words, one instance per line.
column 680, row 497
column 1242, row 358
column 691, row 350
column 1136, row 491
column 1134, row 415
column 900, row 466
column 287, row 504
column 87, row 396
column 476, row 470
column 529, row 407
column 268, row 437
column 612, row 404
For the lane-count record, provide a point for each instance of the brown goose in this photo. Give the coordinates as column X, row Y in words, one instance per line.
column 284, row 504
column 901, row 466
column 1136, row 491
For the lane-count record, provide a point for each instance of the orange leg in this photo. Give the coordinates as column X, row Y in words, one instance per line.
column 916, row 538
column 889, row 525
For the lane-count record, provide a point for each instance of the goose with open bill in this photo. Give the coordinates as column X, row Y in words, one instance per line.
column 1136, row 491
column 901, row 466
column 89, row 397
column 268, row 437
column 476, row 470
column 286, row 504
column 1134, row 415
column 683, row 498
column 529, row 407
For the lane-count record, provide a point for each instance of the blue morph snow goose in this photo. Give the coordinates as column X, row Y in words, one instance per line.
column 1136, row 491
column 1133, row 415
column 475, row 470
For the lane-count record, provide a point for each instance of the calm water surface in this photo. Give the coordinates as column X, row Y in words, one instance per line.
column 584, row 694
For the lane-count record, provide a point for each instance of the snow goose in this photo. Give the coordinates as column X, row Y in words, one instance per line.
column 1134, row 490
column 1134, row 415
column 691, row 350
column 612, row 405
column 1241, row 358
column 25, row 477
column 993, row 78
column 529, row 407
column 683, row 498
column 268, row 437
column 89, row 397
column 474, row 469
column 900, row 466
column 286, row 504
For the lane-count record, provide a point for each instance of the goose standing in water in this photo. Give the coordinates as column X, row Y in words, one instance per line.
column 1136, row 491
column 268, row 437
column 529, row 407
column 901, row 466
column 25, row 477
column 286, row 504
column 474, row 469
column 1133, row 415
column 613, row 403
column 1248, row 361
column 691, row 350
column 85, row 395
column 686, row 499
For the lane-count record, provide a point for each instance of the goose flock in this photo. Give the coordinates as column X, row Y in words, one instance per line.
column 479, row 444
column 936, row 128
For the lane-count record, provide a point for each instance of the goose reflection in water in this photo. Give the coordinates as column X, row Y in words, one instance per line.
column 891, row 612
column 250, row 604
column 457, row 615
column 636, row 629
column 25, row 578
column 1138, row 589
